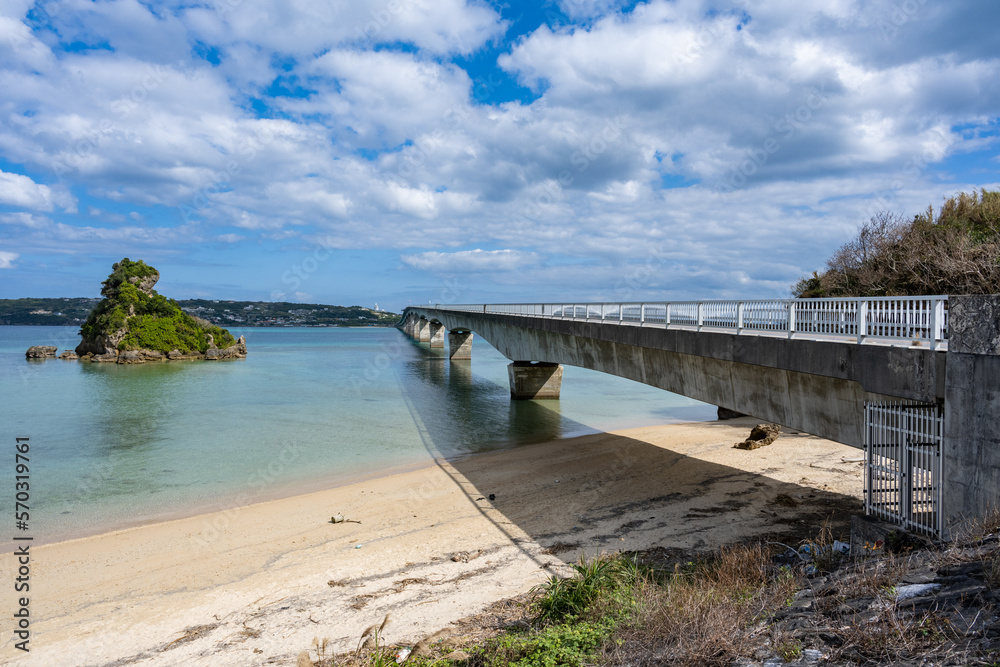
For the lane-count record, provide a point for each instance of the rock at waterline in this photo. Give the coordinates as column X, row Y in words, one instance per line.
column 130, row 357
column 40, row 351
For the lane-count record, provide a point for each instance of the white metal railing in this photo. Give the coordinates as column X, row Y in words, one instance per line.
column 899, row 320
column 903, row 464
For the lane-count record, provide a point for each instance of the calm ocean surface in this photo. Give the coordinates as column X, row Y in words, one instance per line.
column 309, row 408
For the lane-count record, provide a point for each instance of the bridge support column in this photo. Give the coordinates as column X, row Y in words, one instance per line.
column 436, row 337
column 971, row 447
column 460, row 345
column 408, row 326
column 423, row 331
column 534, row 380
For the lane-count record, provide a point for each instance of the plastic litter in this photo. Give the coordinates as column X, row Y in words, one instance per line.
column 915, row 590
column 808, row 552
column 402, row 654
column 358, row 546
column 811, row 656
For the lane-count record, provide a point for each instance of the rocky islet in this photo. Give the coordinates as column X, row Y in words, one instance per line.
column 134, row 324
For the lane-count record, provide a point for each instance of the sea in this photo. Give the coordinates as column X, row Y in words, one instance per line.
column 112, row 446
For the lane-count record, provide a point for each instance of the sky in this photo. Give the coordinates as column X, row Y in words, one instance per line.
column 450, row 151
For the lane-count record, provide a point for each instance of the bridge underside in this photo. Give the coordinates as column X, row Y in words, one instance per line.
column 812, row 386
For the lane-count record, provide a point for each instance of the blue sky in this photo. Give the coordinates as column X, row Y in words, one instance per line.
column 399, row 151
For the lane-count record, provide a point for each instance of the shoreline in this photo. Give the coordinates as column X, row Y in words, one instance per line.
column 429, row 547
column 211, row 508
column 229, row 502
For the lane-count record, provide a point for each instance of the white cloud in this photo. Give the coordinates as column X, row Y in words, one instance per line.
column 21, row 191
column 587, row 9
column 127, row 26
column 7, row 259
column 303, row 27
column 384, row 98
column 24, row 219
column 418, row 202
column 470, row 261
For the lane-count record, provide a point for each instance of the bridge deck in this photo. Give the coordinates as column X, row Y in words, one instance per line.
column 896, row 321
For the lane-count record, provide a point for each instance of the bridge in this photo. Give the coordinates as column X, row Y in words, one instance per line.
column 914, row 381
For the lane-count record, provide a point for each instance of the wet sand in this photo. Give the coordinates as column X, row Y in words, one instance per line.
column 254, row 585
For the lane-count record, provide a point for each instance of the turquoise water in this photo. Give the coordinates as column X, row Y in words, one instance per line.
column 309, row 408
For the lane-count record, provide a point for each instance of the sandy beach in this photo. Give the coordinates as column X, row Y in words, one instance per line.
column 254, row 585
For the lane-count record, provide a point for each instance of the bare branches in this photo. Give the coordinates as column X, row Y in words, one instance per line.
column 956, row 252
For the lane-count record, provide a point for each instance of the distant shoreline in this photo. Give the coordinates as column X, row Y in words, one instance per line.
column 239, row 326
column 73, row 311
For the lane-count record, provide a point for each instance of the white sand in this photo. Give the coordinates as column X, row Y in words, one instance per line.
column 255, row 584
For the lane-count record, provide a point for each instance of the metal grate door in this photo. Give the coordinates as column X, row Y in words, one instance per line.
column 903, row 464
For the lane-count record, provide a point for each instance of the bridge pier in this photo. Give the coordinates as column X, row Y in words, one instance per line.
column 534, row 380
column 436, row 334
column 423, row 331
column 460, row 345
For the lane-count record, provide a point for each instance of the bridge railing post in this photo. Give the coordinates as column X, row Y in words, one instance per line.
column 701, row 314
column 937, row 323
column 739, row 318
column 642, row 314
column 791, row 319
column 666, row 315
column 862, row 320
column 621, row 310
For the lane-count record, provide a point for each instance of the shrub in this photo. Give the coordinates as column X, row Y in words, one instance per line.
column 955, row 252
column 572, row 645
column 606, row 579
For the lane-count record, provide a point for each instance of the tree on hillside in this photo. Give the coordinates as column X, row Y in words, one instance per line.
column 955, row 252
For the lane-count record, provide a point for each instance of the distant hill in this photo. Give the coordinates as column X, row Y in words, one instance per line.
column 74, row 312
column 282, row 313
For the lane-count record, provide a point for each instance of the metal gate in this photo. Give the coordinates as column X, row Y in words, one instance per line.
column 903, row 464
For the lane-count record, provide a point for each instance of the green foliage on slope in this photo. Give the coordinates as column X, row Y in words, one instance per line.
column 956, row 251
column 150, row 320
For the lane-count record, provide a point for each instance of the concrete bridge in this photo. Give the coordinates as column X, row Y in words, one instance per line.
column 914, row 381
